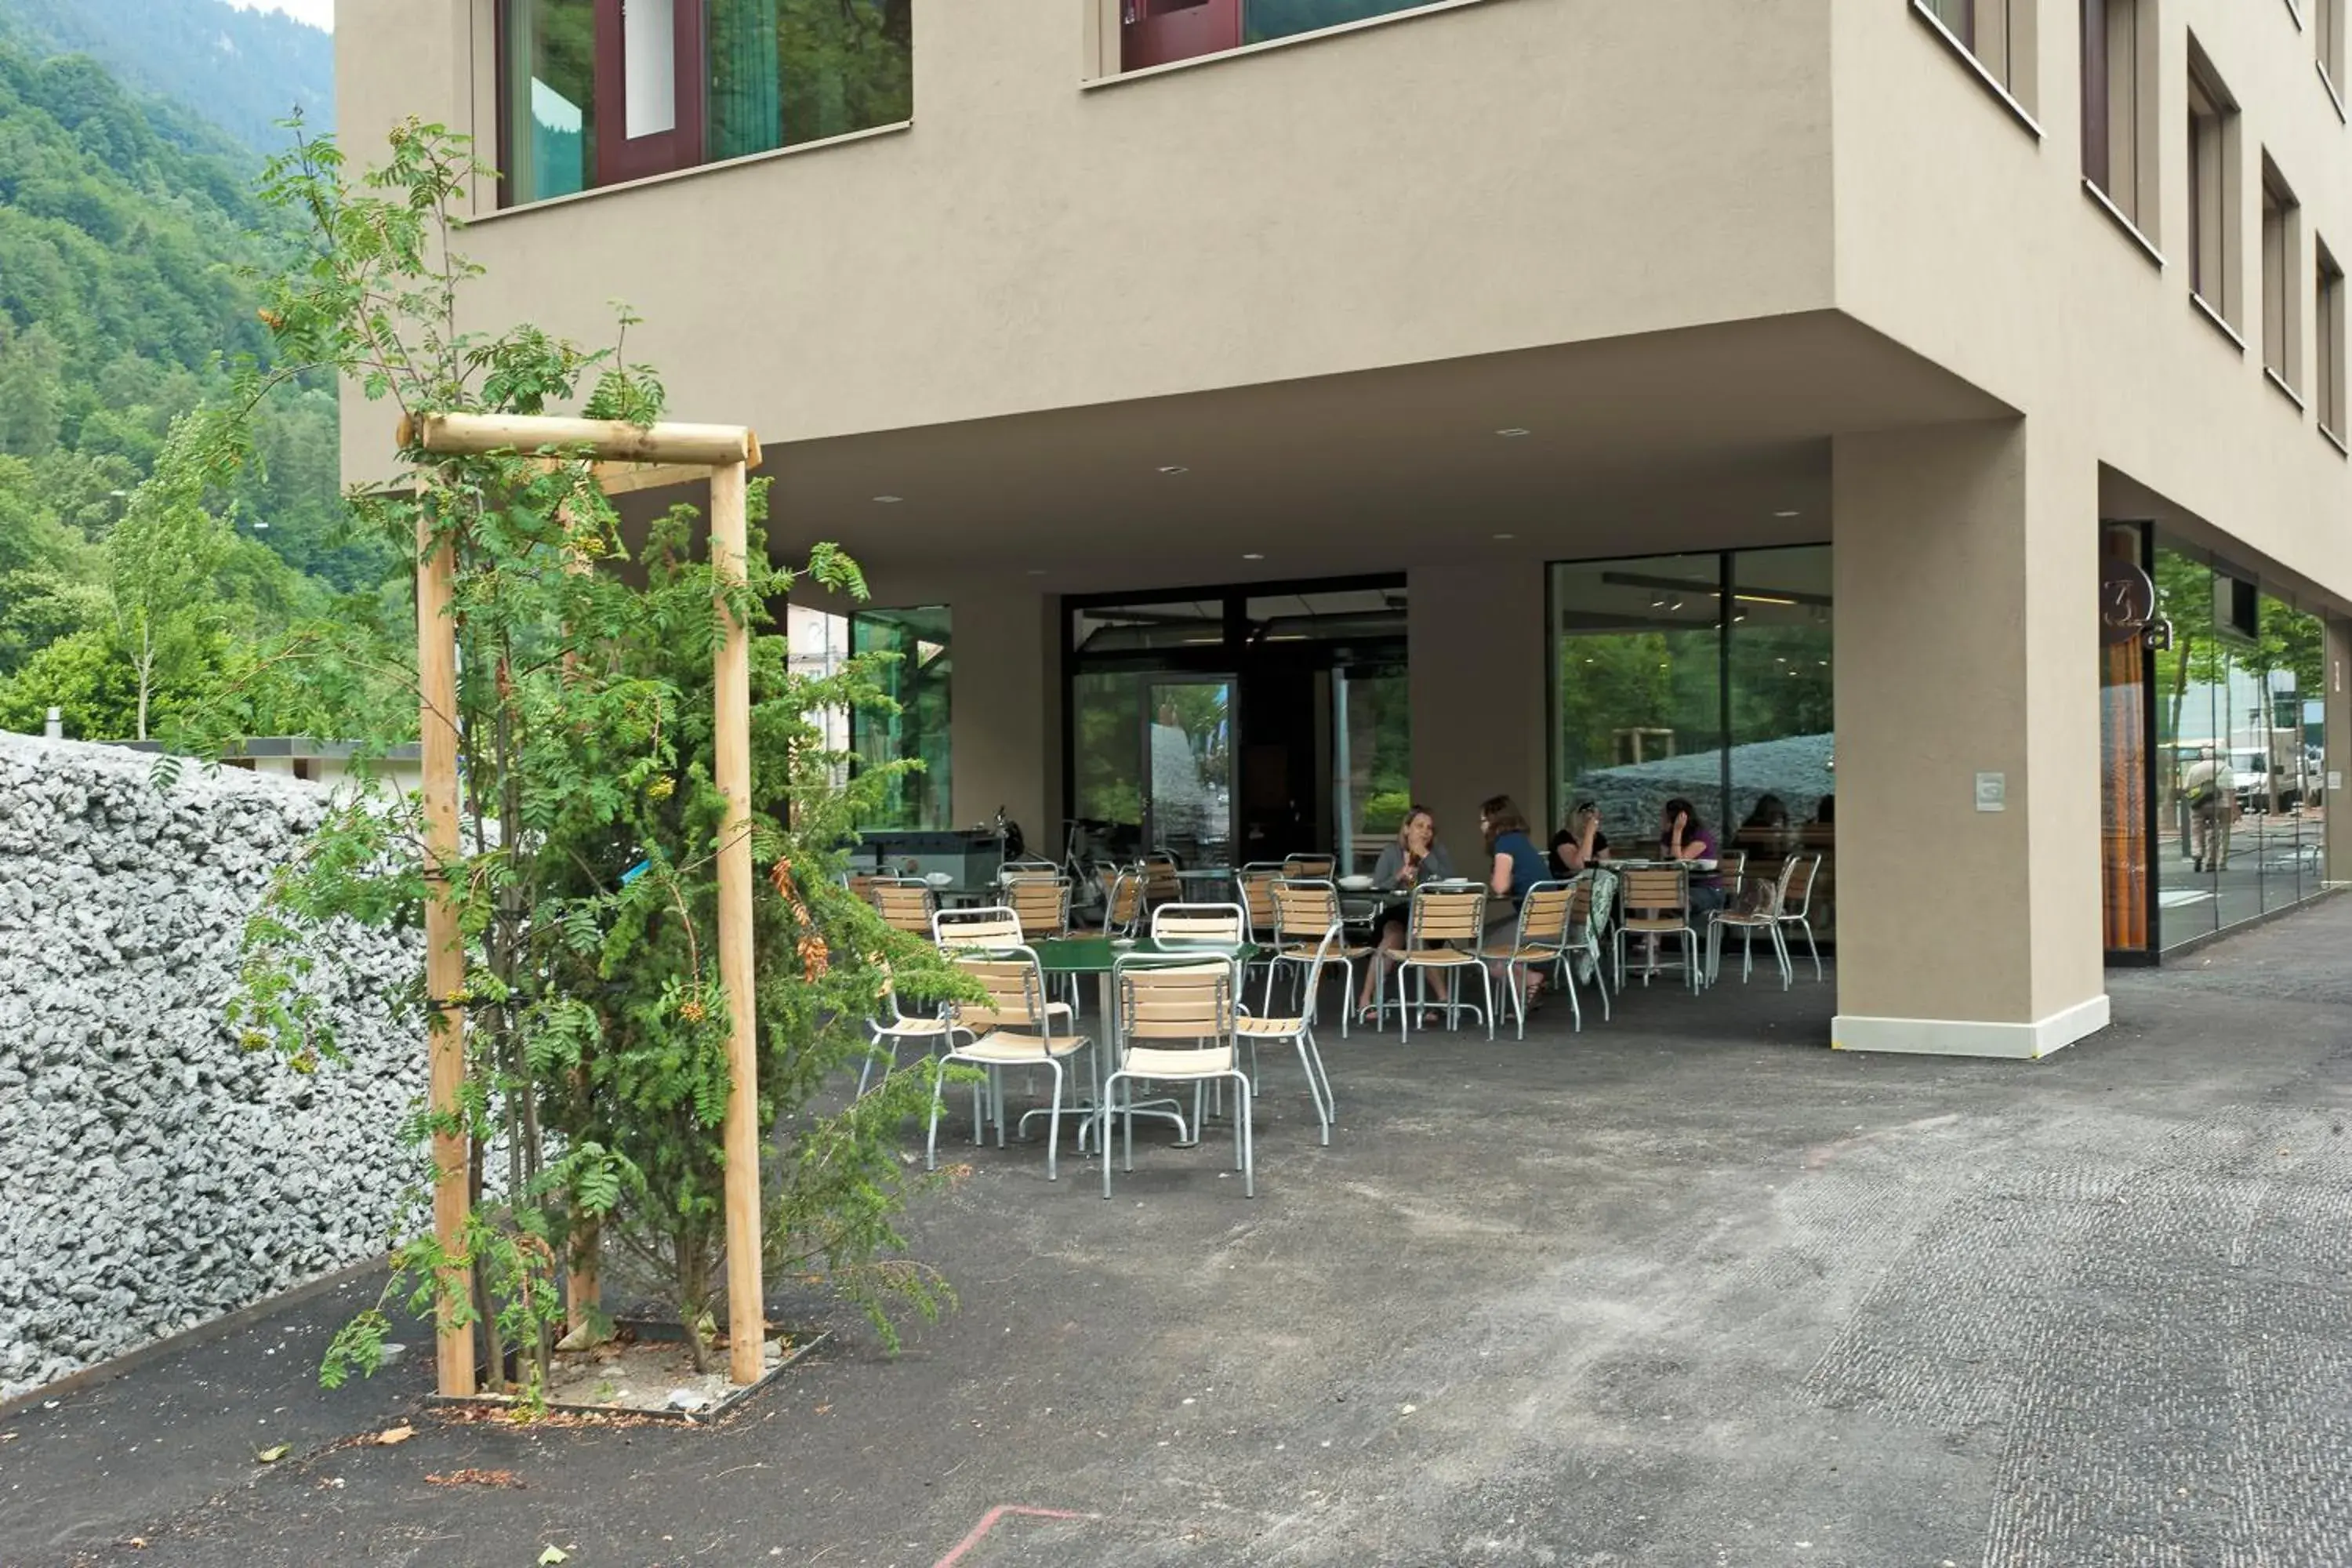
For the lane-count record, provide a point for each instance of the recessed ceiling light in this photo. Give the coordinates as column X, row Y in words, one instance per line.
column 1253, row 555
column 889, row 501
column 1174, row 468
column 1788, row 514
column 1512, row 430
column 1506, row 536
column 1036, row 571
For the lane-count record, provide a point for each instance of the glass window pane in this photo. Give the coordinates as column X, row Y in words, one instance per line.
column 1784, row 715
column 1265, row 19
column 1638, row 698
column 649, row 67
column 1107, row 751
column 2236, row 857
column 2192, row 815
column 1145, row 627
column 2292, row 650
column 920, row 680
column 551, row 97
column 1375, row 762
column 787, row 71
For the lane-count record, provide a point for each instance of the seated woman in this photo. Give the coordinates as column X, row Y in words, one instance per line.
column 1516, row 866
column 1414, row 859
column 1766, row 827
column 1579, row 844
column 1683, row 836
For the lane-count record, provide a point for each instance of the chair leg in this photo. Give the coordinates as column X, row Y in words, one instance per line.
column 1808, row 923
column 1054, row 1124
column 1780, row 951
column 1347, row 991
column 931, row 1134
column 1109, row 1110
column 1242, row 1120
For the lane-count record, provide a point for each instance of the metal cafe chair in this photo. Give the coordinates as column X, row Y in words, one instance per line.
column 1303, row 910
column 1300, row 1030
column 1302, row 867
column 1016, row 1027
column 1797, row 902
column 1595, row 897
column 904, row 903
column 1177, row 1024
column 1442, row 932
column 1657, row 904
column 892, row 1026
column 1540, row 942
column 1123, row 899
column 1763, row 914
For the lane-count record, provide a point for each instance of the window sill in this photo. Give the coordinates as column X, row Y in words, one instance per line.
column 2336, row 441
column 2295, row 11
column 1967, row 56
column 2100, row 200
column 2220, row 323
column 794, row 151
column 2328, row 83
column 2286, row 389
column 1118, row 78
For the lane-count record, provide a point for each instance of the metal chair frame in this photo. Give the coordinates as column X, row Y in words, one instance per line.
column 1638, row 891
column 1766, row 920
column 1540, row 940
column 1442, row 914
column 1160, row 1005
column 1801, row 916
column 1011, row 1028
column 1299, row 1029
column 1304, row 907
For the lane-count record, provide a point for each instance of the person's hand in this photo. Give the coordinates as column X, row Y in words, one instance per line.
column 1682, row 820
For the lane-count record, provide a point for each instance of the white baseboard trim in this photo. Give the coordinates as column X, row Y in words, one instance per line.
column 1970, row 1038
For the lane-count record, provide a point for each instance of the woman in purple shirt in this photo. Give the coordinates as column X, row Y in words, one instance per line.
column 1683, row 836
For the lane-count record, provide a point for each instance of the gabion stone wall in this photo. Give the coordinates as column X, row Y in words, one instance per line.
column 152, row 1175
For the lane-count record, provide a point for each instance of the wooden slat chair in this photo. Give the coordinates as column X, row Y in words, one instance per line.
column 904, row 903
column 1797, row 902
column 892, row 1026
column 1042, row 904
column 1304, row 911
column 1753, row 909
column 1161, row 885
column 1199, row 925
column 1011, row 870
column 1177, row 1024
column 1304, row 867
column 1122, row 889
column 1299, row 1029
column 1656, row 904
column 995, row 929
column 1016, row 1027
column 1542, row 940
column 1443, row 934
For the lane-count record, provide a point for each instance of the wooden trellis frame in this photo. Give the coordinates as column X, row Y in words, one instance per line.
column 627, row 457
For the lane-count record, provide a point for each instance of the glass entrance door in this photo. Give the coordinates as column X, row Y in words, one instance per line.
column 1188, row 767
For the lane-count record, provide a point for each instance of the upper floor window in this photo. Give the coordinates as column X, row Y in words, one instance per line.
column 2215, row 188
column 2327, row 38
column 2281, row 280
column 2119, row 55
column 1997, row 34
column 1160, row 32
column 2327, row 378
column 597, row 91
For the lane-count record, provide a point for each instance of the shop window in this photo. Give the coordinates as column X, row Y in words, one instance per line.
column 598, row 91
column 2119, row 74
column 2213, row 193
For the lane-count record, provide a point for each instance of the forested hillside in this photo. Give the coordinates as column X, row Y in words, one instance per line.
column 130, row 242
column 242, row 71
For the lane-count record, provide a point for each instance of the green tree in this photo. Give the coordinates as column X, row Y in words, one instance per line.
column 160, row 562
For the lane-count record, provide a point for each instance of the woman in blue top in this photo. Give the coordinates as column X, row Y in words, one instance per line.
column 1517, row 864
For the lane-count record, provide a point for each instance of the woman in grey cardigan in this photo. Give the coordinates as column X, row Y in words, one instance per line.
column 1414, row 859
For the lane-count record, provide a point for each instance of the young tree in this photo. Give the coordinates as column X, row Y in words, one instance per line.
column 596, row 1024
column 161, row 557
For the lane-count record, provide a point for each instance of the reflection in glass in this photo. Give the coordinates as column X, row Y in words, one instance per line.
column 2191, row 793
column 1638, row 695
column 1190, row 742
column 1107, row 714
column 788, row 71
column 1265, row 19
column 1373, row 760
column 1783, row 699
column 920, row 680
column 551, row 97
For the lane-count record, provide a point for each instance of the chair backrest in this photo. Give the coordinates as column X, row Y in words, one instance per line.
column 1122, row 897
column 1160, row 883
column 1015, row 986
column 1199, row 925
column 904, row 903
column 1797, row 884
column 1731, row 866
column 1596, row 890
column 1014, row 870
column 1448, row 913
column 1042, row 904
column 1654, row 888
column 1173, row 1004
column 997, row 927
column 1310, row 866
column 1545, row 910
column 1256, row 882
column 1303, row 907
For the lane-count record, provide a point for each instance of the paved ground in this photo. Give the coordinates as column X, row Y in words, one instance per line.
column 1685, row 1290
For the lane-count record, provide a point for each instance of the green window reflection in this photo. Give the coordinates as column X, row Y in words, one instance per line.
column 920, row 680
column 1265, row 19
column 551, row 97
column 788, row 71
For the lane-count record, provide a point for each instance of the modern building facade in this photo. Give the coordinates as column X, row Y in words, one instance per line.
column 1927, row 413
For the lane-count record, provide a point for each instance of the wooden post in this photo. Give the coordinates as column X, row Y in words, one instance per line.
column 444, row 949
column 746, row 1310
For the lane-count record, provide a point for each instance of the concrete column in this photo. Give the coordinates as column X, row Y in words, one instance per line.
column 1006, row 729
column 1967, row 645
column 2338, row 706
column 1476, row 642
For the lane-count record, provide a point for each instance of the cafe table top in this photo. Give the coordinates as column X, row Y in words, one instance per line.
column 1096, row 954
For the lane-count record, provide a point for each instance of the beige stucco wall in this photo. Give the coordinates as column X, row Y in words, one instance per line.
column 1495, row 176
column 1962, row 234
